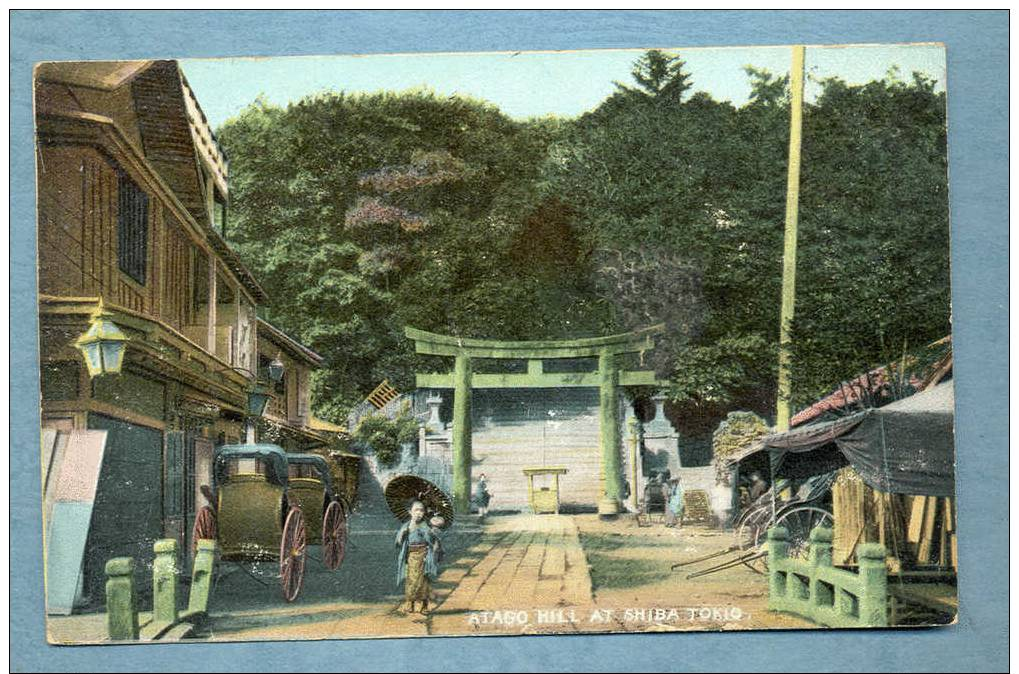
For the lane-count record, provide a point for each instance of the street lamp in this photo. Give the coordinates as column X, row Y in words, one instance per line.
column 258, row 393
column 103, row 345
column 258, row 399
column 275, row 369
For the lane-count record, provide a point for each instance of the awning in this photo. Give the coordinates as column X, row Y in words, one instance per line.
column 907, row 447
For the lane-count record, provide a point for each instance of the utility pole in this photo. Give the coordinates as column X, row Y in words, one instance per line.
column 792, row 208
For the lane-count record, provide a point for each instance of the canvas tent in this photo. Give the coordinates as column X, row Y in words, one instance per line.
column 906, row 447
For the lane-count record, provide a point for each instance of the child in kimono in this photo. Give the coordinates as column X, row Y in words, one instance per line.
column 482, row 497
column 674, row 505
column 417, row 562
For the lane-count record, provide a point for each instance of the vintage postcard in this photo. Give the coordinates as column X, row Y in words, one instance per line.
column 495, row 343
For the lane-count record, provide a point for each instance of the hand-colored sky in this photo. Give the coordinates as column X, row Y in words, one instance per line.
column 527, row 84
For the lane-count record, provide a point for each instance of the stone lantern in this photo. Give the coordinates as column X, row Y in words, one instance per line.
column 661, row 441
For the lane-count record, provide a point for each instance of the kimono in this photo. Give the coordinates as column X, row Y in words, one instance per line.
column 674, row 507
column 481, row 495
column 417, row 562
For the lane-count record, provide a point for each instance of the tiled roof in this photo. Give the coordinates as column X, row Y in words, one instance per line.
column 871, row 382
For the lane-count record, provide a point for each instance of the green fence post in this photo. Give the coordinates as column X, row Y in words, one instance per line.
column 121, row 616
column 874, row 585
column 778, row 550
column 164, row 582
column 820, row 546
column 821, row 596
column 201, row 581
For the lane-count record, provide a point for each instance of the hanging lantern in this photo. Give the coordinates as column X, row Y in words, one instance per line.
column 276, row 370
column 258, row 399
column 103, row 344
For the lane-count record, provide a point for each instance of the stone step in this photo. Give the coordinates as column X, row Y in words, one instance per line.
column 697, row 506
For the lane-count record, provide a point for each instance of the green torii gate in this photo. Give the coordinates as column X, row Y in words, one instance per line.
column 608, row 378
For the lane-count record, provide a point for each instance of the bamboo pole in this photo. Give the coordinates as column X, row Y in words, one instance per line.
column 792, row 205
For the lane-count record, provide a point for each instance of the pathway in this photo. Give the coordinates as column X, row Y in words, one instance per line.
column 524, row 564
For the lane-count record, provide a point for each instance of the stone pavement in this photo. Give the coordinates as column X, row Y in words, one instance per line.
column 524, row 563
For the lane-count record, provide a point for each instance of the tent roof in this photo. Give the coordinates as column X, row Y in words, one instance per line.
column 906, row 447
column 938, row 399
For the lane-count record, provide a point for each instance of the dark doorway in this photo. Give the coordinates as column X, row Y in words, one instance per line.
column 127, row 517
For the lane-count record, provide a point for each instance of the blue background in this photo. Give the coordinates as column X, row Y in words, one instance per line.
column 977, row 45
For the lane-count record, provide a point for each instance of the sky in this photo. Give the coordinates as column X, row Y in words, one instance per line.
column 530, row 84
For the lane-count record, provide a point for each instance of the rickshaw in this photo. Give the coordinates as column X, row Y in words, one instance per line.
column 799, row 515
column 253, row 516
column 310, row 488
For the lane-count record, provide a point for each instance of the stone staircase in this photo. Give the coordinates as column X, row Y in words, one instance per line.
column 697, row 508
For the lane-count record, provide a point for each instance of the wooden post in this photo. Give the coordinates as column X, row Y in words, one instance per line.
column 634, row 458
column 462, row 435
column 608, row 377
column 211, row 313
column 792, row 206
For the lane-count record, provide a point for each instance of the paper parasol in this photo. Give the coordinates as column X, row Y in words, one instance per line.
column 403, row 490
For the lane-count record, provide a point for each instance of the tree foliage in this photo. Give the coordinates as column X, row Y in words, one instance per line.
column 386, row 436
column 363, row 214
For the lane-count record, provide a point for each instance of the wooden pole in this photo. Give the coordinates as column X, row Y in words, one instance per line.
column 634, row 458
column 792, row 205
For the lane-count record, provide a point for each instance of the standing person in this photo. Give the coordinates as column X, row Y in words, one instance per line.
column 417, row 562
column 674, row 505
column 482, row 497
column 722, row 500
column 757, row 486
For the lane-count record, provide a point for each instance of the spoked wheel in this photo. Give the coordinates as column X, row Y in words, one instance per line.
column 799, row 522
column 292, row 552
column 334, row 536
column 204, row 527
column 750, row 532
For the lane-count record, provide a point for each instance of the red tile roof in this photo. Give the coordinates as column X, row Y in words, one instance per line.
column 871, row 382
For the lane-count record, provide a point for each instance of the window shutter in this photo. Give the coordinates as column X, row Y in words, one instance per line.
column 132, row 228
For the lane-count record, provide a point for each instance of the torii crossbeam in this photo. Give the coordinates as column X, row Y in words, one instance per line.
column 608, row 378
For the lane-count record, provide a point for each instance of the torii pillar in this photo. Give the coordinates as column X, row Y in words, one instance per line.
column 608, row 407
column 462, row 454
column 607, row 380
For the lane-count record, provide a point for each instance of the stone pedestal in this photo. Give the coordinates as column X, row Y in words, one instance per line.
column 608, row 508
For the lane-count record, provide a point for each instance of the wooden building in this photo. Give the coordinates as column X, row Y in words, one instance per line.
column 287, row 421
column 132, row 212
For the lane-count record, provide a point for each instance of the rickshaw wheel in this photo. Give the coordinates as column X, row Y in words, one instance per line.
column 204, row 527
column 748, row 533
column 799, row 522
column 334, row 536
column 292, row 551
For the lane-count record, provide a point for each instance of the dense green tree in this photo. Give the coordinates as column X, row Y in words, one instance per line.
column 363, row 214
column 704, row 181
column 660, row 76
